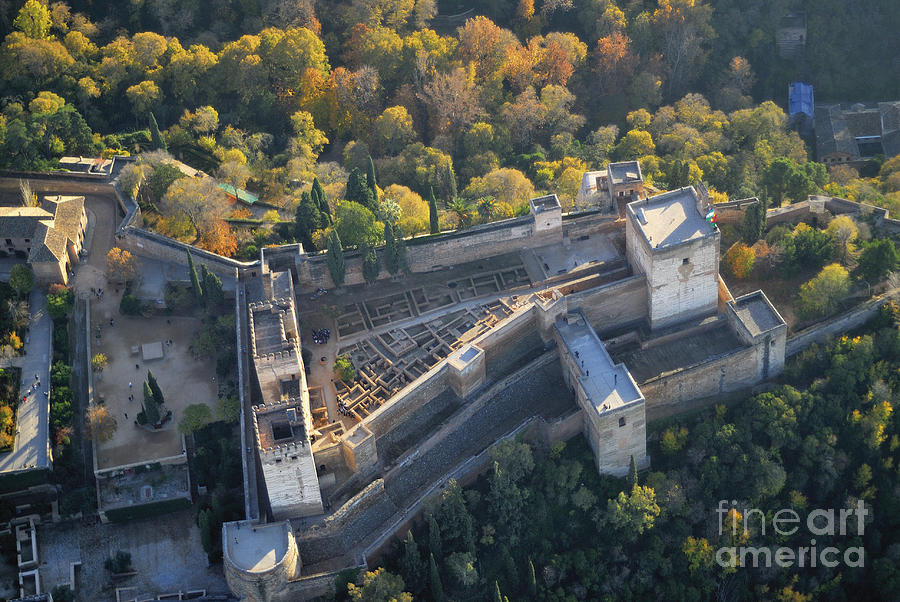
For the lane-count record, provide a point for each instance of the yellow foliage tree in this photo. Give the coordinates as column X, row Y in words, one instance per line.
column 100, row 424
column 740, row 260
column 121, row 264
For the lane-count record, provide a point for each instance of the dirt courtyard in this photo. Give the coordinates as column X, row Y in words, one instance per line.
column 184, row 380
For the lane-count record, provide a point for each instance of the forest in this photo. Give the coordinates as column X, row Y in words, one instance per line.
column 542, row 525
column 462, row 114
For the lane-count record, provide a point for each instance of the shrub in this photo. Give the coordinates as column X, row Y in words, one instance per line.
column 130, row 306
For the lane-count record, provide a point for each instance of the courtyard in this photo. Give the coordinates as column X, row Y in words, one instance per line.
column 184, row 378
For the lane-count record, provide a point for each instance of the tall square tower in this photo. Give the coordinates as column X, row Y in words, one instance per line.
column 669, row 239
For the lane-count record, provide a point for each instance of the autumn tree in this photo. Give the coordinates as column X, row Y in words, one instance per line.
column 121, row 264
column 822, row 294
column 33, row 20
column 100, row 424
column 99, row 362
column 740, row 259
column 202, row 202
column 844, row 232
column 218, row 238
column 451, row 101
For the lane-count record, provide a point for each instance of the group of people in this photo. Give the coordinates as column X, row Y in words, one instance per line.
column 342, row 408
column 319, row 292
column 98, row 292
column 320, row 337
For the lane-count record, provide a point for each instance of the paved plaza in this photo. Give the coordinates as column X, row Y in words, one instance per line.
column 184, row 378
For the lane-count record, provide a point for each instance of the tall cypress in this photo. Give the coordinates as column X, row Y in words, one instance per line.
column 335, row 258
column 370, row 263
column 307, row 220
column 632, row 473
column 412, row 565
column 154, row 388
column 532, row 579
column 150, row 407
column 432, row 212
column 371, row 182
column 156, row 137
column 195, row 280
column 358, row 191
column 434, row 536
column 391, row 250
column 437, row 588
column 318, row 195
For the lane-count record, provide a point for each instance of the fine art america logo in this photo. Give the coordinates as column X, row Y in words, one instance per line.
column 786, row 522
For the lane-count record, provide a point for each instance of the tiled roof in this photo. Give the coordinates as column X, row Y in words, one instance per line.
column 19, row 222
column 67, row 212
column 49, row 245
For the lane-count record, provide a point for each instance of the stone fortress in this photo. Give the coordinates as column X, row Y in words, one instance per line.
column 628, row 298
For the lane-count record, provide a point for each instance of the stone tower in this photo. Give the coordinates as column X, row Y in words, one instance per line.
column 669, row 239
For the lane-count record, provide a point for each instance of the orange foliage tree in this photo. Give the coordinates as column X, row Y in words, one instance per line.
column 740, row 259
column 219, row 239
column 100, row 424
column 121, row 264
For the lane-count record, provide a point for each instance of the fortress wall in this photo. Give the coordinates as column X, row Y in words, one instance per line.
column 591, row 224
column 412, row 398
column 415, row 423
column 664, row 393
column 834, row 326
column 507, row 345
column 149, row 244
column 613, row 305
column 429, row 253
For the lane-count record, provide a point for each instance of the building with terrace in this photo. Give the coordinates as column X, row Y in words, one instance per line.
column 611, row 189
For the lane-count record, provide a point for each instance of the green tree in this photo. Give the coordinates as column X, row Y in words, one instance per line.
column 435, row 546
column 356, row 225
column 307, row 220
column 335, row 258
column 391, row 249
column 412, row 565
column 33, row 20
column 370, row 264
column 462, row 566
column 358, row 190
column 157, row 140
column 196, row 287
column 154, row 388
column 60, row 303
column 150, row 407
column 21, row 279
column 194, row 417
column 532, row 579
column 213, row 295
column 206, row 522
column 754, row 222
column 822, row 294
column 318, row 195
column 434, row 579
column 344, row 369
column 379, row 586
column 433, row 212
column 632, row 479
column 371, row 181
column 63, row 593
column 877, row 260
column 633, row 513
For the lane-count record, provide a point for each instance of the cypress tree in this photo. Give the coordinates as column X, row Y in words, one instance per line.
column 195, row 281
column 156, row 137
column 632, row 474
column 371, row 181
column 412, row 566
column 307, row 220
column 205, row 523
column 497, row 596
column 437, row 588
column 391, row 250
column 318, row 195
column 150, row 407
column 335, row 259
column 532, row 579
column 432, row 212
column 370, row 264
column 359, row 192
column 154, row 388
column 434, row 536
column 213, row 295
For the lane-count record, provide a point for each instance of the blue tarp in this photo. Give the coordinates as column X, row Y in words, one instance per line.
column 800, row 99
